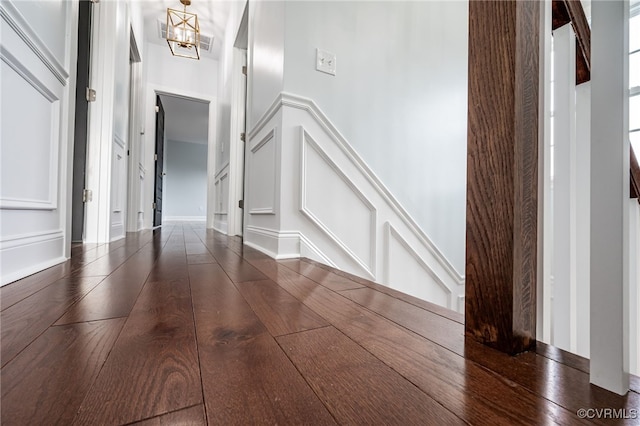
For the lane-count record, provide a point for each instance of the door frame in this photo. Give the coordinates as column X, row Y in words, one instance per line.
column 238, row 124
column 158, row 164
column 135, row 137
column 148, row 147
column 80, row 129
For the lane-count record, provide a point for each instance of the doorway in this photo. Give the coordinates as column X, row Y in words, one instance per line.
column 83, row 69
column 159, row 164
column 239, row 140
column 182, row 145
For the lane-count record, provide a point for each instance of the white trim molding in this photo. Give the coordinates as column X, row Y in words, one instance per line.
column 12, row 16
column 184, row 218
column 51, row 200
column 285, row 99
column 392, row 233
column 329, row 206
column 307, row 141
column 25, row 254
column 269, row 138
column 293, row 243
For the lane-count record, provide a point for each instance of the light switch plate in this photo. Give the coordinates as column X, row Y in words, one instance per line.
column 325, row 61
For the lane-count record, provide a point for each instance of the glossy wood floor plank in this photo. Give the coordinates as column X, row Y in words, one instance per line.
column 153, row 368
column 237, row 268
column 192, row 416
column 106, row 264
column 21, row 323
column 474, row 393
column 533, row 372
column 356, row 386
column 280, row 312
column 434, row 327
column 194, row 259
column 247, row 378
column 115, row 296
column 447, row 313
column 11, row 294
column 321, row 276
column 196, row 248
column 47, row 382
column 200, row 335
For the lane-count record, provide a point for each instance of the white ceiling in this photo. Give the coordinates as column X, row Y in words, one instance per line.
column 185, row 120
column 212, row 17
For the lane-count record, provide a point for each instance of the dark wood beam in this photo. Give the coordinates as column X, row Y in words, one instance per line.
column 502, row 174
column 635, row 175
column 571, row 11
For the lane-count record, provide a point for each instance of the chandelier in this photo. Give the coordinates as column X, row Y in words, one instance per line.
column 183, row 32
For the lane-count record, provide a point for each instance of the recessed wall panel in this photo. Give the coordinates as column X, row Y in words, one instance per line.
column 262, row 175
column 325, row 189
column 30, row 134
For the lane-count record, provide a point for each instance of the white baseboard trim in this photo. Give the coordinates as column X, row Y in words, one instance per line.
column 284, row 245
column 184, row 218
column 32, row 269
column 26, row 254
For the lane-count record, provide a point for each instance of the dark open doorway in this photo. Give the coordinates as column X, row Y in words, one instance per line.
column 157, row 193
column 80, row 130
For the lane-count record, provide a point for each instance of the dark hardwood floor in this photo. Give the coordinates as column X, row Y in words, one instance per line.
column 183, row 325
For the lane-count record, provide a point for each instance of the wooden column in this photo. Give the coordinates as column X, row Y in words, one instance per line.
column 502, row 173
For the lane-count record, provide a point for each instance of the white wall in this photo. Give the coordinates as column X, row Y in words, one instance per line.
column 266, row 55
column 180, row 73
column 399, row 97
column 185, row 185
column 365, row 169
column 188, row 78
column 38, row 51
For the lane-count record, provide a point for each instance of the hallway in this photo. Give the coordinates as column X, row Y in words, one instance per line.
column 183, row 325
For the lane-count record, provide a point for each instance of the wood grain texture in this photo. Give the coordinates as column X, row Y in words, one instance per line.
column 322, row 276
column 280, row 312
column 11, row 294
column 196, row 339
column 472, row 392
column 438, row 329
column 195, row 248
column 153, row 368
column 192, row 416
column 234, row 266
column 120, row 289
column 571, row 11
column 21, row 323
column 567, row 386
column 247, row 378
column 502, row 155
column 356, row 386
column 47, row 382
column 194, row 259
column 432, row 307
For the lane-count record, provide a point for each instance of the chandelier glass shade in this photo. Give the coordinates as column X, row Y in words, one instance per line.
column 183, row 32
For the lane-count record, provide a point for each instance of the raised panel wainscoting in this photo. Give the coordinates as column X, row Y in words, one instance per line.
column 37, row 52
column 363, row 229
